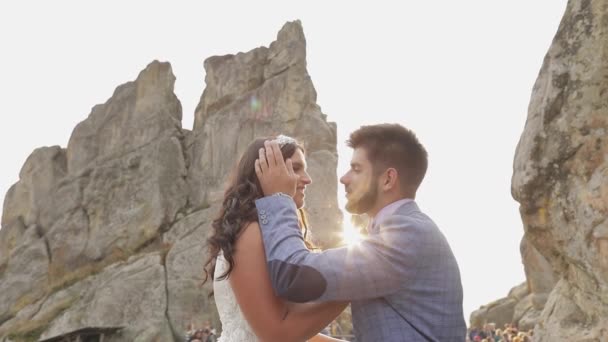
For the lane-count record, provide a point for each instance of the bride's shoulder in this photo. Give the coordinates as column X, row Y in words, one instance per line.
column 249, row 225
column 250, row 234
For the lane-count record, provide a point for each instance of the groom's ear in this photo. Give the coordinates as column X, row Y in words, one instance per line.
column 390, row 179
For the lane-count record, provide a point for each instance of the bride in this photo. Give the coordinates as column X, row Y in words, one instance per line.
column 248, row 308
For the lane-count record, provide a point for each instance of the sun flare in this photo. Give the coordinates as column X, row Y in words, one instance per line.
column 351, row 235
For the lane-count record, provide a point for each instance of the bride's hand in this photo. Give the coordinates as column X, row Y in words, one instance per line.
column 275, row 175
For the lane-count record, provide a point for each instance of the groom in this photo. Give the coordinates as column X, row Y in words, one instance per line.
column 403, row 279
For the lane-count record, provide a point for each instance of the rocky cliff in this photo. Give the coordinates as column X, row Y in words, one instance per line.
column 560, row 179
column 109, row 232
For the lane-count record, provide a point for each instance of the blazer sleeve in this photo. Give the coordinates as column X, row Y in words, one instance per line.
column 376, row 267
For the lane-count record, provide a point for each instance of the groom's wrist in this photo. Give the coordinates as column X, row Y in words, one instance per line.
column 273, row 199
column 274, row 204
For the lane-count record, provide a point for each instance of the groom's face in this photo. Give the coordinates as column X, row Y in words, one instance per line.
column 360, row 184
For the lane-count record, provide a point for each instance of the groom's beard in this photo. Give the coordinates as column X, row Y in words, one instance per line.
column 366, row 202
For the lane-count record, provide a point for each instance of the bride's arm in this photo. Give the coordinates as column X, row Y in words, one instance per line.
column 267, row 314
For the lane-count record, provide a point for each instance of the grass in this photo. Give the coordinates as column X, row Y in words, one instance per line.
column 25, row 300
column 59, row 278
column 30, row 331
column 5, row 317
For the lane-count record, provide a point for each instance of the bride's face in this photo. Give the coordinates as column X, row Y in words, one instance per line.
column 299, row 167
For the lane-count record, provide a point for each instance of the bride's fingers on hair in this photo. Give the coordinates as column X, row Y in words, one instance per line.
column 258, row 169
column 289, row 165
column 270, row 153
column 278, row 155
column 262, row 160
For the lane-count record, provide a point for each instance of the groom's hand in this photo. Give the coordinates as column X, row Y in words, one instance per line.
column 275, row 175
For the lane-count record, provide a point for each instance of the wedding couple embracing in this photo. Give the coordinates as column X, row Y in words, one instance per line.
column 402, row 280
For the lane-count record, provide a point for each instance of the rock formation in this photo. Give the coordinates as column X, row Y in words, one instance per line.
column 560, row 179
column 109, row 232
column 262, row 92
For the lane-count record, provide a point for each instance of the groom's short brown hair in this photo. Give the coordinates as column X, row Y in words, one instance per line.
column 392, row 145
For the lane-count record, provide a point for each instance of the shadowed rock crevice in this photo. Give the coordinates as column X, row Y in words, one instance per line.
column 177, row 334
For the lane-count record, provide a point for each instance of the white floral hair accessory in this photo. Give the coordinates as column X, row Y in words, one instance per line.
column 285, row 140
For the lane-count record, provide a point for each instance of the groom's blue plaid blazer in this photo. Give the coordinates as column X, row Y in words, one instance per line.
column 403, row 280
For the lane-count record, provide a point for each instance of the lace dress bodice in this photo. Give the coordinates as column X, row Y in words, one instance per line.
column 234, row 326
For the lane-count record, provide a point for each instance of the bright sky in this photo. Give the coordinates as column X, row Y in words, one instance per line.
column 459, row 73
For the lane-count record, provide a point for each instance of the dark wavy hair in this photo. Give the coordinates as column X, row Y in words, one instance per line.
column 238, row 207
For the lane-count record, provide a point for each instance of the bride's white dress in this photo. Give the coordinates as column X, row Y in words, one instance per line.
column 234, row 326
